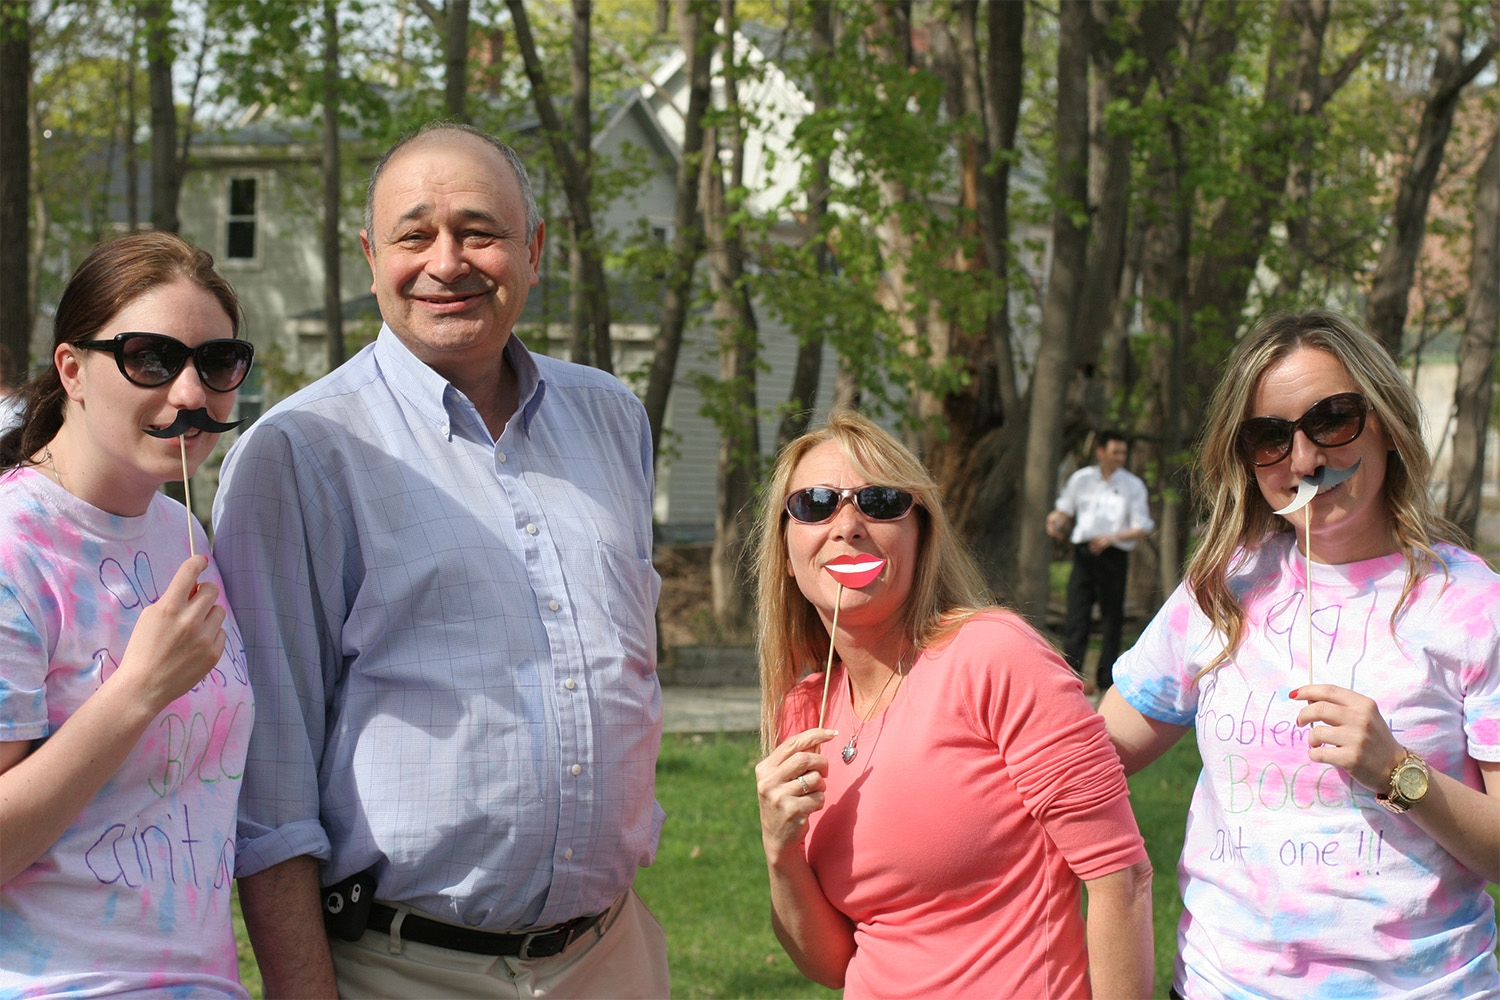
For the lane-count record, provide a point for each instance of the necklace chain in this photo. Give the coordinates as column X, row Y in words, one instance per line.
column 852, row 749
column 52, row 464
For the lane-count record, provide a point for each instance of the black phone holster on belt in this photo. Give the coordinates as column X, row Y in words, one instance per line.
column 346, row 905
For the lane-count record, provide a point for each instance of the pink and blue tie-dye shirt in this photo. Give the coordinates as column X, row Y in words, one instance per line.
column 1295, row 881
column 134, row 898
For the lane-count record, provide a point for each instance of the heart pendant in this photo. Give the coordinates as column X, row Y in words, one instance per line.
column 849, row 752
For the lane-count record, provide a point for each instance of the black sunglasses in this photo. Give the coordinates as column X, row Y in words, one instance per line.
column 817, row 504
column 153, row 359
column 1330, row 423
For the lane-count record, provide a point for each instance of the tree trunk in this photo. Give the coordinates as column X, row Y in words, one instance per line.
column 1313, row 89
column 1156, row 566
column 887, row 37
column 739, row 336
column 996, row 458
column 132, row 162
column 15, row 191
column 579, row 341
column 165, row 180
column 573, row 164
column 738, row 342
column 1241, row 225
column 580, row 308
column 1165, row 268
column 333, row 307
column 1150, row 31
column 1390, row 289
column 687, row 232
column 976, row 457
column 452, row 22
column 1121, row 376
column 808, row 368
column 40, row 222
column 1297, row 198
column 1476, row 354
column 1065, row 280
column 456, row 59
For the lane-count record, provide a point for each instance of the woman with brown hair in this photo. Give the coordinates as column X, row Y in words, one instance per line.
column 124, row 707
column 972, row 793
column 1340, row 664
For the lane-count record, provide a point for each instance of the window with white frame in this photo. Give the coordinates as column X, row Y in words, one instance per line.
column 240, row 221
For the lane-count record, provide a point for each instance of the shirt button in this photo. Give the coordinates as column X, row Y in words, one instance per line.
column 501, row 457
column 577, row 769
column 570, row 684
column 568, row 854
column 531, row 529
column 553, row 605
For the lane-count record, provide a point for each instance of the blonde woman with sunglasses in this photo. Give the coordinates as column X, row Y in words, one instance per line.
column 124, row 707
column 934, row 837
column 1347, row 818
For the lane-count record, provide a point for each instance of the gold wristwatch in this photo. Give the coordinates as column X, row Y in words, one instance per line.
column 1409, row 783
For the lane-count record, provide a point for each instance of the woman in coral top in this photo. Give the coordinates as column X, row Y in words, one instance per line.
column 933, row 837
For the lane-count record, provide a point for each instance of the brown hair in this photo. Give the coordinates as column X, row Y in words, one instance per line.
column 1238, row 518
column 946, row 590
column 115, row 274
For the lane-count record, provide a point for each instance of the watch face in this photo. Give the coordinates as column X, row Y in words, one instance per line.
column 1411, row 781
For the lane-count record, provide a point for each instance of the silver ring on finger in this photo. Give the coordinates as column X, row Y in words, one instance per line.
column 803, row 778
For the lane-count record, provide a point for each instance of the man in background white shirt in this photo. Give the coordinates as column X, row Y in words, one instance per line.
column 1108, row 507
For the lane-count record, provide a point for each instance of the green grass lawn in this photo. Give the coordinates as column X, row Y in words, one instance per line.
column 1160, row 795
column 708, row 886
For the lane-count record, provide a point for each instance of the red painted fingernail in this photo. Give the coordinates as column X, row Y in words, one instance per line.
column 1294, row 692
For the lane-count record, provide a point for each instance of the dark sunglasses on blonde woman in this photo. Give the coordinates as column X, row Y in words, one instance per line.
column 1331, row 422
column 817, row 504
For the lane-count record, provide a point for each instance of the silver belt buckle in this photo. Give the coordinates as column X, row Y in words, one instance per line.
column 525, row 953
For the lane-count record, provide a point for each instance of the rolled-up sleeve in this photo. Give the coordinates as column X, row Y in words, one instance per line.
column 281, row 557
column 1140, row 508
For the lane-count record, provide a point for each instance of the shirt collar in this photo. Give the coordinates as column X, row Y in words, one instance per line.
column 531, row 386
column 436, row 399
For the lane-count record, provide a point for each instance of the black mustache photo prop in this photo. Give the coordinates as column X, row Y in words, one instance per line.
column 197, row 419
column 186, row 419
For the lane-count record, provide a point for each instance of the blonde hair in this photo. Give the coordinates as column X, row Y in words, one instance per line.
column 947, row 587
column 1238, row 518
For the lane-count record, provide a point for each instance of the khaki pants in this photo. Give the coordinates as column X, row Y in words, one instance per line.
column 628, row 961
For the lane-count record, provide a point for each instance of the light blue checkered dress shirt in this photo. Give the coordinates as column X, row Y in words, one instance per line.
column 451, row 638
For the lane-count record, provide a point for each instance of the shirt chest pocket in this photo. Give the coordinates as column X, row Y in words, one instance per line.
column 631, row 588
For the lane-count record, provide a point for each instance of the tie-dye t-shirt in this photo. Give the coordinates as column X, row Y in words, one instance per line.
column 134, row 898
column 1295, row 881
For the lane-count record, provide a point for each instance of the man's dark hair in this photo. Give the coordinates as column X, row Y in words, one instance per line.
column 1105, row 437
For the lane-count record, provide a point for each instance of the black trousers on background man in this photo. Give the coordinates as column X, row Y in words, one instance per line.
column 1096, row 579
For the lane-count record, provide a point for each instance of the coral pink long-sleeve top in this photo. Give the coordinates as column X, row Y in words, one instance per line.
column 956, row 839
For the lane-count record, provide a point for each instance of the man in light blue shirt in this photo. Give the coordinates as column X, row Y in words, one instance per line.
column 440, row 555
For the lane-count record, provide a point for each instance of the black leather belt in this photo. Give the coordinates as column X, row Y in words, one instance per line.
column 543, row 943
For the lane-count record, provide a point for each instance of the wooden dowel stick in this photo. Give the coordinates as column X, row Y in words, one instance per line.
column 1307, row 565
column 187, row 493
column 828, row 667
